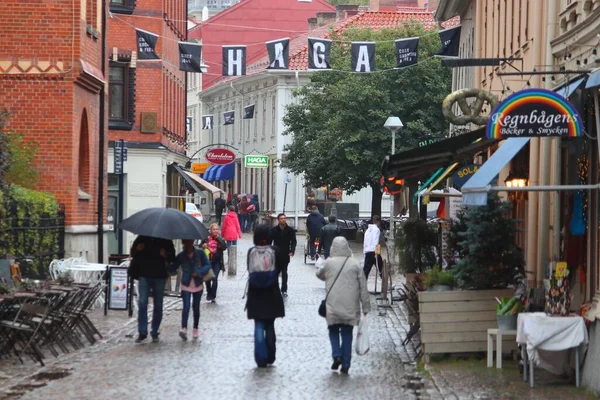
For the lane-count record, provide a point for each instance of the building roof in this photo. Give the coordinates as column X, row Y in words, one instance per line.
column 370, row 19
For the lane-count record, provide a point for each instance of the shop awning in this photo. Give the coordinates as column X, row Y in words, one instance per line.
column 473, row 195
column 594, row 79
column 434, row 180
column 420, row 161
column 440, row 178
column 569, row 88
column 207, row 186
column 186, row 178
column 219, row 172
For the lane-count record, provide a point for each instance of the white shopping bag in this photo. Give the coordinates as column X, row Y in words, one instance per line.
column 362, row 337
column 320, row 262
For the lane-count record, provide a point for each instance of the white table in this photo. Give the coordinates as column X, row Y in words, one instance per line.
column 87, row 272
column 499, row 333
column 538, row 331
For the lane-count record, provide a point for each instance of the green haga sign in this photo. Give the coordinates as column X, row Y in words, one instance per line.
column 256, row 161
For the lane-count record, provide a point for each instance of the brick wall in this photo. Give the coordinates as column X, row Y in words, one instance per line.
column 43, row 85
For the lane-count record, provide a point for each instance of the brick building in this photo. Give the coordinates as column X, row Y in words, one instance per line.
column 52, row 81
column 146, row 108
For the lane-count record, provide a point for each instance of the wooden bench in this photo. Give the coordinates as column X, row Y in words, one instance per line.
column 499, row 333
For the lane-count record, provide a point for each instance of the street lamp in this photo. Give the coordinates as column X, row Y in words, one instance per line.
column 392, row 124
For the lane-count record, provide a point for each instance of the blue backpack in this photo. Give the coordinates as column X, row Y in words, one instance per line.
column 262, row 270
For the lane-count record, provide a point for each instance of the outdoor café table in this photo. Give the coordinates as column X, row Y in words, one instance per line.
column 538, row 331
column 87, row 273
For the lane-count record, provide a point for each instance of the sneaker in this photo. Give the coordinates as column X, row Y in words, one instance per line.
column 183, row 333
column 141, row 338
column 284, row 294
column 345, row 371
column 195, row 334
column 213, row 301
column 155, row 339
column 336, row 363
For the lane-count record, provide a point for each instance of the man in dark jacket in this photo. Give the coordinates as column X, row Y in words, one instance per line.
column 150, row 256
column 327, row 234
column 284, row 238
column 314, row 222
column 219, row 207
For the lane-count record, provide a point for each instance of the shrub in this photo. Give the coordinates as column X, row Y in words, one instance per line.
column 416, row 243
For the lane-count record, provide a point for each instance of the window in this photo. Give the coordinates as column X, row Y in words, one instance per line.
column 122, row 6
column 121, row 96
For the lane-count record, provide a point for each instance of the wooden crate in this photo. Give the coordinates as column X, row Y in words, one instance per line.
column 457, row 321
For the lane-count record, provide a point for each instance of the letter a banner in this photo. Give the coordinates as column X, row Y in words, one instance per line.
column 146, row 45
column 363, row 56
column 279, row 53
column 319, row 53
column 234, row 60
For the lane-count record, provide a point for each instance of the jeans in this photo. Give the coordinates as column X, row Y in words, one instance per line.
column 343, row 351
column 231, row 243
column 264, row 341
column 243, row 221
column 186, row 297
column 284, row 277
column 370, row 261
column 211, row 286
column 218, row 216
column 158, row 289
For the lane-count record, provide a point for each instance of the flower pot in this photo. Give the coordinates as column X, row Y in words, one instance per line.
column 507, row 322
column 440, row 288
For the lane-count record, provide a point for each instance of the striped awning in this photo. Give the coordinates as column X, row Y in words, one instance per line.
column 219, row 173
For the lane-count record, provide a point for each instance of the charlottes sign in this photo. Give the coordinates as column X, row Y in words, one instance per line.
column 534, row 113
column 220, row 156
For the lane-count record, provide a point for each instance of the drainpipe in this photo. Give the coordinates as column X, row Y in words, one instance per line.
column 101, row 139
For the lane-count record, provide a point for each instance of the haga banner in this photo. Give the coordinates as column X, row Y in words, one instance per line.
column 406, row 52
column 279, row 53
column 228, row 117
column 363, row 56
column 319, row 53
column 534, row 113
column 190, row 57
column 450, row 42
column 146, row 45
column 234, row 60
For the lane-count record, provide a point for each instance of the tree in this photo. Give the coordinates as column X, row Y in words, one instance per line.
column 491, row 259
column 16, row 158
column 337, row 120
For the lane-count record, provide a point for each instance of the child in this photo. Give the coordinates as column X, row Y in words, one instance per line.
column 194, row 264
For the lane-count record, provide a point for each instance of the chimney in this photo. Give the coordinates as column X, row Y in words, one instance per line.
column 345, row 11
column 312, row 24
column 324, row 18
column 374, row 5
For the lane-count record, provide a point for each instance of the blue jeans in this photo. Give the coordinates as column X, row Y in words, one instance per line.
column 264, row 341
column 211, row 286
column 158, row 290
column 343, row 351
column 186, row 297
column 243, row 219
column 231, row 243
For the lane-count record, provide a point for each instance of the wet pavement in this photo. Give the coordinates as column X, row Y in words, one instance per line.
column 220, row 365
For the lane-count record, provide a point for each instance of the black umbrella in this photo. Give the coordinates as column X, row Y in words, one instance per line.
column 165, row 223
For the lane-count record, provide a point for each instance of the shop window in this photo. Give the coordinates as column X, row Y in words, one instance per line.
column 121, row 96
column 83, row 167
column 122, row 6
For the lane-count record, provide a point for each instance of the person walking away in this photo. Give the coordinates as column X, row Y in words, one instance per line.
column 150, row 256
column 347, row 293
column 194, row 265
column 370, row 243
column 253, row 210
column 327, row 234
column 264, row 303
column 244, row 213
column 219, row 207
column 216, row 246
column 314, row 222
column 231, row 230
column 283, row 237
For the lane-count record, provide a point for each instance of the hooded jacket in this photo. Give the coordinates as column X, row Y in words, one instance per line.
column 349, row 293
column 231, row 227
column 314, row 222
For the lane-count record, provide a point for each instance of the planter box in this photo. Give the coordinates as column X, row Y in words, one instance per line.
column 457, row 321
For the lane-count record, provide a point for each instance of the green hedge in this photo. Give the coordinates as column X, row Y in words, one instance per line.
column 32, row 225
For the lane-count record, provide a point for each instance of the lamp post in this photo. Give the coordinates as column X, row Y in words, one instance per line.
column 392, row 124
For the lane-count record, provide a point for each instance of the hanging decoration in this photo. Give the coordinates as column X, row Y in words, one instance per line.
column 248, row 112
column 190, row 57
column 234, row 60
column 362, row 55
column 228, row 117
column 279, row 53
column 146, row 45
column 207, row 122
column 450, row 42
column 319, row 54
column 407, row 52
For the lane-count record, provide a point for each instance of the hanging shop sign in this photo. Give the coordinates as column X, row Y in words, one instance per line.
column 463, row 174
column 256, row 161
column 220, row 156
column 534, row 113
column 199, row 168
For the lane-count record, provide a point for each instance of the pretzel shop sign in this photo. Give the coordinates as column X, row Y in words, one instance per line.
column 220, row 156
column 534, row 113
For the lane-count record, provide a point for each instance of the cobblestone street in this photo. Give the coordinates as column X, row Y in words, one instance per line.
column 221, row 364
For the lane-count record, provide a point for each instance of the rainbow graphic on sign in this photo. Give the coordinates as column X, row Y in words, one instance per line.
column 534, row 113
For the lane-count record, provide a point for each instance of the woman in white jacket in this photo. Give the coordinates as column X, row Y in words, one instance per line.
column 344, row 300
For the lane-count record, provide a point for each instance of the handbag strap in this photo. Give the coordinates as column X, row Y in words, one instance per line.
column 336, row 278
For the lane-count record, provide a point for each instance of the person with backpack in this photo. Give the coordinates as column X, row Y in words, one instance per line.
column 264, row 301
column 283, row 237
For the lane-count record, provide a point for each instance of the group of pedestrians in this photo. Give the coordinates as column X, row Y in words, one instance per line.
column 246, row 208
column 154, row 260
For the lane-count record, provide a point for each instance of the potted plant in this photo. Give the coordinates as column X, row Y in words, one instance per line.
column 438, row 280
column 507, row 312
column 416, row 241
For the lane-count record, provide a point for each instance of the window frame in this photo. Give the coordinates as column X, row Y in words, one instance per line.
column 127, row 121
column 127, row 7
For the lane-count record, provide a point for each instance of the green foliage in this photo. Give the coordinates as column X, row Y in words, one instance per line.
column 337, row 119
column 16, row 157
column 437, row 276
column 491, row 259
column 416, row 241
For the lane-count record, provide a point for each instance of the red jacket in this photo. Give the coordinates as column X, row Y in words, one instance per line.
column 231, row 227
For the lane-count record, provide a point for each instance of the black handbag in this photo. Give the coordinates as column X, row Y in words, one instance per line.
column 323, row 306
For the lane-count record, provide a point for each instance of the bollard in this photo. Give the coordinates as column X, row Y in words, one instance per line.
column 232, row 260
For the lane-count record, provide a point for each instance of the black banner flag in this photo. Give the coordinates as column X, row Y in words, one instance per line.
column 146, row 45
column 190, row 57
column 450, row 42
column 407, row 52
column 207, row 122
column 234, row 60
column 363, row 56
column 319, row 53
column 249, row 112
column 279, row 53
column 228, row 117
